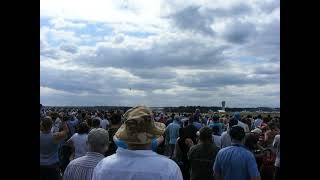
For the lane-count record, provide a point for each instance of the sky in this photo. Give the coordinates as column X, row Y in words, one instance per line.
column 160, row 52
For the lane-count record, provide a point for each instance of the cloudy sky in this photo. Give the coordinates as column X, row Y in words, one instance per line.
column 160, row 52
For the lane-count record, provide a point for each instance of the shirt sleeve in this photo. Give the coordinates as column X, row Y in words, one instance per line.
column 73, row 136
column 217, row 165
column 177, row 175
column 252, row 166
column 154, row 145
column 275, row 141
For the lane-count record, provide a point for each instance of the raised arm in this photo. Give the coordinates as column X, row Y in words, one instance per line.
column 59, row 136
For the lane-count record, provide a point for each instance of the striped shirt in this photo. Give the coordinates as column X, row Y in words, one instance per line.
column 82, row 167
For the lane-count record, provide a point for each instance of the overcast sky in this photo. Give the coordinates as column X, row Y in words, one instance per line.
column 160, row 52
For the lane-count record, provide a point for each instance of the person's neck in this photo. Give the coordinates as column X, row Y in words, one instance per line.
column 100, row 152
column 205, row 142
column 139, row 146
column 46, row 131
column 115, row 125
column 236, row 142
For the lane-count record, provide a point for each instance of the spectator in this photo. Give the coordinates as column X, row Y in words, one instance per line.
column 258, row 121
column 72, row 122
column 187, row 134
column 82, row 168
column 104, row 121
column 248, row 120
column 216, row 138
column 138, row 161
column 270, row 134
column 49, row 160
column 190, row 131
column 171, row 134
column 78, row 140
column 236, row 162
column 202, row 156
column 115, row 120
column 225, row 137
column 237, row 116
column 276, row 145
column 95, row 123
column 170, row 120
column 251, row 142
column 216, row 122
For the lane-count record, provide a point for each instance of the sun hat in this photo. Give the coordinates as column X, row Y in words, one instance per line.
column 139, row 126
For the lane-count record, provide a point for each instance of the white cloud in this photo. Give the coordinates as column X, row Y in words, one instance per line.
column 147, row 52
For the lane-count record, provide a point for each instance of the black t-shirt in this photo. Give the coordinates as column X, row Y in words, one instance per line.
column 112, row 146
column 201, row 157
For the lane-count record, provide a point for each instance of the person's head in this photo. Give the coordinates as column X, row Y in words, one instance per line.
column 83, row 128
column 176, row 118
column 115, row 119
column 96, row 123
column 251, row 141
column 233, row 122
column 139, row 128
column 46, row 124
column 215, row 130
column 259, row 116
column 172, row 116
column 190, row 121
column 98, row 140
column 205, row 135
column 272, row 126
column 215, row 118
column 237, row 134
column 266, row 119
column 237, row 116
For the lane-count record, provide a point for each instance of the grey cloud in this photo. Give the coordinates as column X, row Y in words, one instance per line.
column 198, row 19
column 239, row 32
column 235, row 10
column 267, row 42
column 271, row 70
column 191, row 19
column 211, row 80
column 154, row 73
column 69, row 48
column 69, row 81
column 269, row 6
column 182, row 53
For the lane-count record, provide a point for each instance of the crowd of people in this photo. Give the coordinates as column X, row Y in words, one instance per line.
column 139, row 144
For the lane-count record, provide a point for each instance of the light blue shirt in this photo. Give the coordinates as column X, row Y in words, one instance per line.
column 172, row 132
column 197, row 125
column 48, row 150
column 235, row 162
column 136, row 164
column 72, row 125
column 122, row 144
column 257, row 123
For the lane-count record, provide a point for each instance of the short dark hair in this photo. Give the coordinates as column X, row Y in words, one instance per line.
column 205, row 134
column 237, row 133
column 46, row 123
column 115, row 119
column 259, row 116
column 250, row 141
column 215, row 130
column 96, row 122
column 233, row 122
column 83, row 128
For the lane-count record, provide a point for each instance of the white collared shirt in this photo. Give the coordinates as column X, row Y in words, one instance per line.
column 136, row 165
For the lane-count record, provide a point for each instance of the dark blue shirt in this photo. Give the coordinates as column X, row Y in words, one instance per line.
column 235, row 162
